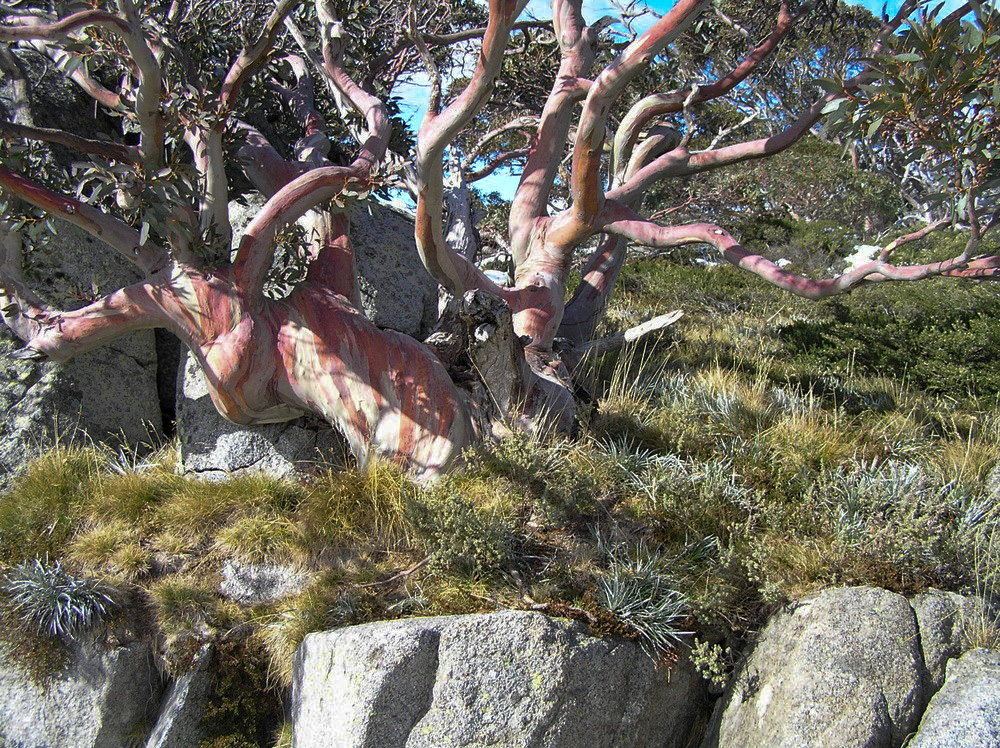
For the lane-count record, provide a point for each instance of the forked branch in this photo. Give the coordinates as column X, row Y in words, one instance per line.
column 438, row 130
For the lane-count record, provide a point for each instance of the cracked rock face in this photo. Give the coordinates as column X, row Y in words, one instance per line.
column 504, row 679
column 944, row 619
column 842, row 667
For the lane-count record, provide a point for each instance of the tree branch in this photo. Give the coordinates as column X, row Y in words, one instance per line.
column 657, row 105
column 619, row 340
column 371, row 108
column 495, row 163
column 645, row 232
column 287, row 205
column 118, row 235
column 59, row 335
column 263, row 165
column 577, row 45
column 585, row 188
column 149, row 90
column 59, row 30
column 521, row 123
column 436, row 132
column 103, row 148
column 253, row 55
column 680, row 162
column 210, row 161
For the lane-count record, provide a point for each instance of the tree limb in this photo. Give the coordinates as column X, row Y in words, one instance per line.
column 103, row 148
column 436, row 132
column 253, row 55
column 117, row 234
column 577, row 46
column 645, row 232
column 656, row 105
column 616, row 342
column 588, row 149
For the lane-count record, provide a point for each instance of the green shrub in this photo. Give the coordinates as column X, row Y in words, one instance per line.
column 557, row 479
column 243, row 708
column 457, row 534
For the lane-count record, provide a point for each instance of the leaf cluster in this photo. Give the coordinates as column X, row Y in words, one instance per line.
column 934, row 93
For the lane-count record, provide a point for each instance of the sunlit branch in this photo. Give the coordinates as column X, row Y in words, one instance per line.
column 149, row 89
column 209, row 159
column 436, row 132
column 263, row 165
column 59, row 335
column 626, row 224
column 63, row 28
column 368, row 106
column 588, row 149
column 254, row 54
column 577, row 45
column 659, row 104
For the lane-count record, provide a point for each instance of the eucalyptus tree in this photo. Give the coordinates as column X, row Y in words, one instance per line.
column 597, row 140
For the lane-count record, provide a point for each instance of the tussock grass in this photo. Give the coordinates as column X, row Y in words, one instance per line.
column 39, row 514
column 114, row 548
column 352, row 507
column 184, row 603
column 258, row 539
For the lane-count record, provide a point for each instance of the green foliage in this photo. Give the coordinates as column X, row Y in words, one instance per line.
column 243, row 709
column 53, row 602
column 935, row 94
column 457, row 534
column 559, row 483
column 941, row 337
column 712, row 662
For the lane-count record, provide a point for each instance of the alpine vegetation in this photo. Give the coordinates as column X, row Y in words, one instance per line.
column 56, row 603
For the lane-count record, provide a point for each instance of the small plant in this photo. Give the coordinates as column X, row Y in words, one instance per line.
column 640, row 594
column 183, row 603
column 713, row 663
column 257, row 540
column 55, row 603
column 457, row 534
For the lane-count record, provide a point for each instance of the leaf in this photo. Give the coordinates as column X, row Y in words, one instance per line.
column 908, row 57
column 832, row 106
